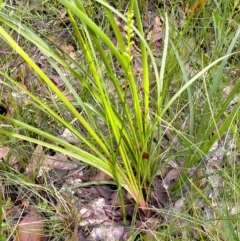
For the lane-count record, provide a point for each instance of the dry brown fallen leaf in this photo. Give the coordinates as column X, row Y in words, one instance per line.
column 159, row 196
column 68, row 136
column 39, row 160
column 155, row 35
column 35, row 162
column 31, row 227
column 138, row 65
column 101, row 176
column 58, row 161
column 157, row 29
column 4, row 152
column 171, row 175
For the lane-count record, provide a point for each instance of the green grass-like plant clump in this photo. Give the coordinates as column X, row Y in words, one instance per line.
column 125, row 118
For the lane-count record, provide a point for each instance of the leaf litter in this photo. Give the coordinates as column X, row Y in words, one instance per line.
column 4, row 152
column 31, row 227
